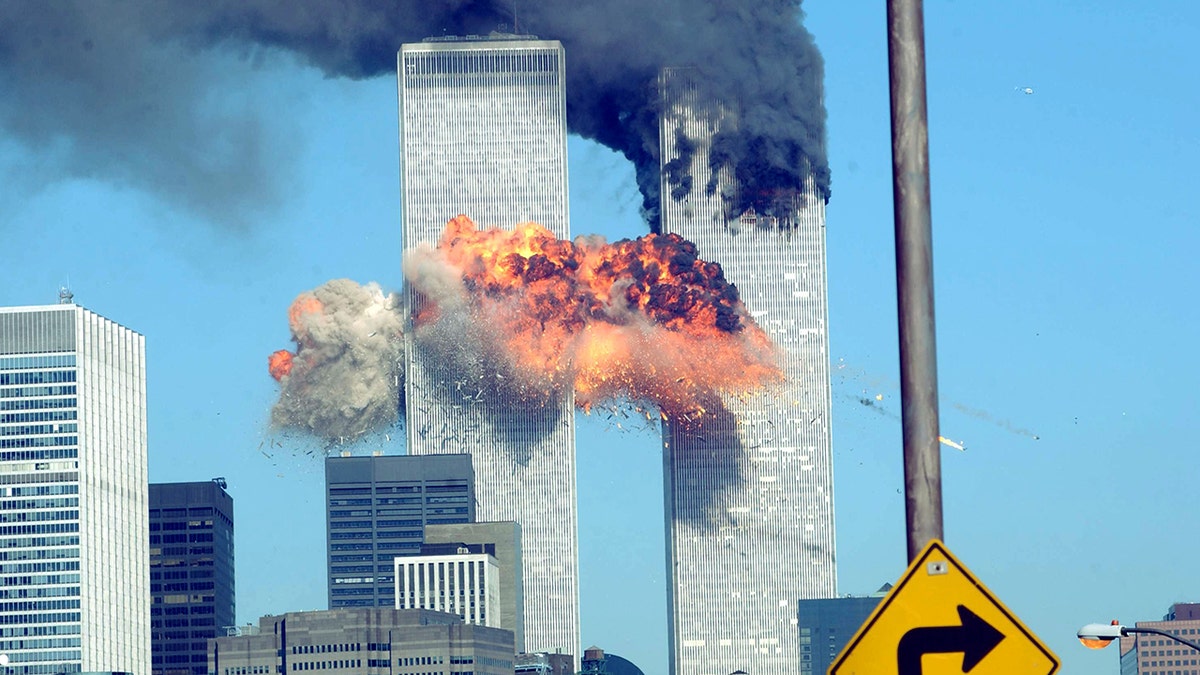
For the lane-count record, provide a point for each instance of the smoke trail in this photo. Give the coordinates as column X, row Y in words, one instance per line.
column 344, row 379
column 125, row 90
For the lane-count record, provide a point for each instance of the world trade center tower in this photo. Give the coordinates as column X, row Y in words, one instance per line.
column 483, row 132
column 749, row 503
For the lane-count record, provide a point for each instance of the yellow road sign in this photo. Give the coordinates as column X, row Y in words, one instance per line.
column 940, row 620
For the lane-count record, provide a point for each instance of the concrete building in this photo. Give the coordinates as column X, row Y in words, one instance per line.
column 463, row 580
column 826, row 625
column 363, row 641
column 749, row 492
column 483, row 132
column 378, row 508
column 544, row 663
column 1143, row 654
column 503, row 541
column 74, row 538
column 191, row 573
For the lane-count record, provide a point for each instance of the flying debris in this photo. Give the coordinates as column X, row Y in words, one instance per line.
column 1025, row 90
column 946, row 441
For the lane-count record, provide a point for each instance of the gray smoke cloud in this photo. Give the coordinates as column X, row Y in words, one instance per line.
column 344, row 379
column 131, row 91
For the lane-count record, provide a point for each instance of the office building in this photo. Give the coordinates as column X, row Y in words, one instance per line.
column 364, row 641
column 483, row 133
column 191, row 573
column 377, row 509
column 826, row 625
column 456, row 578
column 74, row 540
column 1148, row 654
column 503, row 541
column 749, row 493
column 544, row 663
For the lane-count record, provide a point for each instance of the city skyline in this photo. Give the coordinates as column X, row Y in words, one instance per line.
column 1063, row 236
column 483, row 131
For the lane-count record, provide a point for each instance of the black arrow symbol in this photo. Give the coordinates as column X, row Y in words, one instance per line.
column 975, row 638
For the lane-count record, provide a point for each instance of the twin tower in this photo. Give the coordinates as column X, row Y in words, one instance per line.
column 748, row 495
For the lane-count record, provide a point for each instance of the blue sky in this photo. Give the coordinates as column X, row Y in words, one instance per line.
column 1064, row 245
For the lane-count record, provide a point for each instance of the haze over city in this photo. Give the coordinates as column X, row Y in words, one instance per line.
column 1061, row 151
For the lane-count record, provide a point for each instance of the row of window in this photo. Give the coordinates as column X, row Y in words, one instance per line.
column 30, row 504
column 41, row 579
column 38, row 516
column 47, row 528
column 32, row 429
column 36, row 455
column 27, row 542
column 36, row 377
column 22, row 362
column 44, row 490
column 38, row 403
column 42, row 416
column 28, row 631
column 40, row 554
column 48, row 643
column 40, row 592
column 194, row 538
column 37, row 605
column 49, row 617
column 26, row 392
column 38, row 442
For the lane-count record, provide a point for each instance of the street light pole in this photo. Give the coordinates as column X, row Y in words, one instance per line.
column 1125, row 630
column 914, row 274
column 1102, row 634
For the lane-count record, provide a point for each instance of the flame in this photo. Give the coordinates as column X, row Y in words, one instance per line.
column 644, row 319
column 280, row 363
column 303, row 307
column 946, row 441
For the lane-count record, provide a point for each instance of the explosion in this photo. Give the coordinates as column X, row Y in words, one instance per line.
column 522, row 315
column 644, row 320
column 344, row 378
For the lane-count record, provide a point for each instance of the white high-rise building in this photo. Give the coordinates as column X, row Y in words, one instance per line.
column 749, row 495
column 74, row 532
column 464, row 583
column 483, row 132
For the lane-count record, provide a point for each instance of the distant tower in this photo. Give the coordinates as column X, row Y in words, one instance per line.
column 749, row 496
column 483, row 132
column 377, row 509
column 75, row 554
column 191, row 573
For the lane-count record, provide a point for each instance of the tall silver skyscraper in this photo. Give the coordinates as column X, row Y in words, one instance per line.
column 483, row 132
column 749, row 502
column 74, row 511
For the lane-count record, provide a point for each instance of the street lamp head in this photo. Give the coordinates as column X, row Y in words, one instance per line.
column 1099, row 635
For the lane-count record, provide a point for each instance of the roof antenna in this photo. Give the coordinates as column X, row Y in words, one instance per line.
column 65, row 296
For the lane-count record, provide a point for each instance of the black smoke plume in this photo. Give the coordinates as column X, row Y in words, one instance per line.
column 125, row 91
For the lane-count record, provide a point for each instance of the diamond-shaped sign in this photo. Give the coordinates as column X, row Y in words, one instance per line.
column 940, row 620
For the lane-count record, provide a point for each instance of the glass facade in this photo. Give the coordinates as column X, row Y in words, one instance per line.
column 827, row 624
column 191, row 574
column 378, row 508
column 483, row 133
column 749, row 501
column 73, row 532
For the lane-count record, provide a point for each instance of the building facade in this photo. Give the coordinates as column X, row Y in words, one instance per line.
column 749, row 492
column 465, row 582
column 827, row 625
column 363, row 641
column 74, row 539
column 377, row 508
column 503, row 541
column 191, row 573
column 1148, row 654
column 483, row 133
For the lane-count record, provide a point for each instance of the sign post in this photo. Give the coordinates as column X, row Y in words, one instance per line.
column 940, row 620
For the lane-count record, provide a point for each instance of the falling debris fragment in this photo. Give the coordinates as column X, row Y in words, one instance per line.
column 1025, row 90
column 946, row 441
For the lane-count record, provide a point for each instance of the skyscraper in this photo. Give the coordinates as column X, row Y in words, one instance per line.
column 74, row 540
column 827, row 624
column 191, row 573
column 377, row 509
column 483, row 132
column 749, row 502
